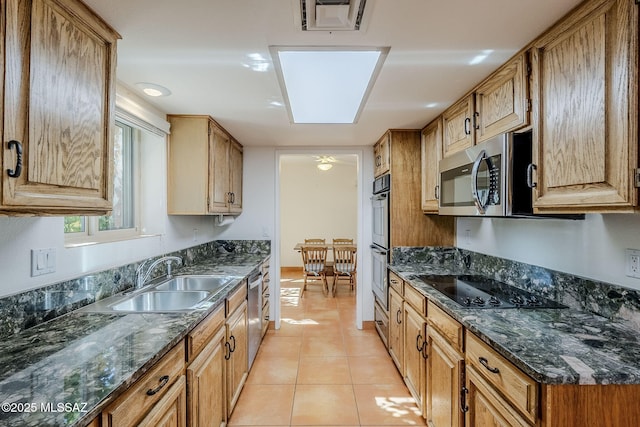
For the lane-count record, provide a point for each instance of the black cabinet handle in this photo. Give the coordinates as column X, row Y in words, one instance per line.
column 467, row 126
column 227, row 355
column 234, row 343
column 423, row 350
column 15, row 173
column 437, row 192
column 398, row 319
column 163, row 381
column 530, row 170
column 476, row 115
column 463, row 399
column 484, row 362
column 418, row 345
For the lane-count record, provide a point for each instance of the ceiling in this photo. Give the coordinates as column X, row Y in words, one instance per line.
column 214, row 57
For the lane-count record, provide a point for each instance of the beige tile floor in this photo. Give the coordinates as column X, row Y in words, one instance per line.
column 318, row 369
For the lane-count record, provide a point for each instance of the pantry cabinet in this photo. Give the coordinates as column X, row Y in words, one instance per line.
column 430, row 154
column 205, row 166
column 59, row 61
column 585, row 121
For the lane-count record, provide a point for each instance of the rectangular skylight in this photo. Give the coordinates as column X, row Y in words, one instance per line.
column 326, row 84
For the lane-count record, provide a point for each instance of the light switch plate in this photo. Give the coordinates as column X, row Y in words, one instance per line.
column 43, row 261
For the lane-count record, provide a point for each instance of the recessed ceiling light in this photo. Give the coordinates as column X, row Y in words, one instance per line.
column 480, row 57
column 432, row 105
column 326, row 84
column 152, row 89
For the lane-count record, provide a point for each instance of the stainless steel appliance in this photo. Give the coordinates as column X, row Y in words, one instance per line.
column 380, row 253
column 475, row 291
column 493, row 178
column 254, row 312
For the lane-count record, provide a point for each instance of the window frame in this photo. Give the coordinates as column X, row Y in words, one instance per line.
column 92, row 233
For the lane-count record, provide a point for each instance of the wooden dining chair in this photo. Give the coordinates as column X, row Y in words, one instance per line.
column 314, row 262
column 344, row 265
column 341, row 241
column 314, row 241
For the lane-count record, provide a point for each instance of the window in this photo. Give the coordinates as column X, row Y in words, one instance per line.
column 123, row 221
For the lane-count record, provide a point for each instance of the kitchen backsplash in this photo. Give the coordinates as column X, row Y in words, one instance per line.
column 30, row 308
column 605, row 299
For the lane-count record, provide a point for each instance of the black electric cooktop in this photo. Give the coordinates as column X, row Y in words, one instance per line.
column 481, row 292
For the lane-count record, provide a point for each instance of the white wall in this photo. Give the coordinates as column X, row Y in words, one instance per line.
column 315, row 204
column 592, row 248
column 19, row 235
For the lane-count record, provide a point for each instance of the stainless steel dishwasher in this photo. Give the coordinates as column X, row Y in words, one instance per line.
column 254, row 309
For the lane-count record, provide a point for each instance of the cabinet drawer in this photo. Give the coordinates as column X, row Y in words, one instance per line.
column 237, row 298
column 132, row 405
column 200, row 336
column 396, row 282
column 518, row 388
column 416, row 299
column 447, row 326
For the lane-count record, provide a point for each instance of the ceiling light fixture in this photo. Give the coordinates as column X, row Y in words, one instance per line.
column 152, row 89
column 326, row 84
column 325, row 166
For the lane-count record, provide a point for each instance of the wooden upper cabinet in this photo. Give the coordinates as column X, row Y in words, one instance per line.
column 502, row 100
column 585, row 87
column 431, row 153
column 204, row 168
column 457, row 123
column 382, row 155
column 59, row 91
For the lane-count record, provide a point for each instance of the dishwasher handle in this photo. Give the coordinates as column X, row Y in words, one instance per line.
column 255, row 281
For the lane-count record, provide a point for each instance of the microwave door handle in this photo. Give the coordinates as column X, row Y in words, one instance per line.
column 474, row 182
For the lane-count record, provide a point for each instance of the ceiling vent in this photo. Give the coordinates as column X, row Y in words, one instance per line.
column 331, row 15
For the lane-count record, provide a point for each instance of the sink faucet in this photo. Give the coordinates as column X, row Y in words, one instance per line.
column 142, row 276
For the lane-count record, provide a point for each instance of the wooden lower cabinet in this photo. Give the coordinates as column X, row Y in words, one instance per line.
column 415, row 333
column 485, row 407
column 148, row 397
column 206, row 385
column 445, row 369
column 396, row 334
column 237, row 355
column 170, row 411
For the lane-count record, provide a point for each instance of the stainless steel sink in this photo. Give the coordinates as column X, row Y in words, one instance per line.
column 210, row 283
column 158, row 301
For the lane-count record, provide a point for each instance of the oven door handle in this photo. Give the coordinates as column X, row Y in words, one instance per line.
column 379, row 250
column 474, row 182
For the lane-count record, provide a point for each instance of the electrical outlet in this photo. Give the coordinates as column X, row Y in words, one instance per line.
column 633, row 263
column 43, row 261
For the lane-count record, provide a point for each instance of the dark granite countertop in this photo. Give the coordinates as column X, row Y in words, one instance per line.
column 553, row 346
column 85, row 359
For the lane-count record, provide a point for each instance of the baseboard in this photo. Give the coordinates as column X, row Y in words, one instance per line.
column 291, row 270
column 368, row 324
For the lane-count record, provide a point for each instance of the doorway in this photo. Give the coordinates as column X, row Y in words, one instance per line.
column 317, row 202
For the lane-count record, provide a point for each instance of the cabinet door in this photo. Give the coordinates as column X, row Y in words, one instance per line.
column 502, row 100
column 445, row 368
column 171, row 410
column 206, row 385
column 238, row 359
column 415, row 335
column 585, row 80
column 235, row 186
column 59, row 92
column 219, row 191
column 485, row 407
column 458, row 126
column 396, row 330
column 431, row 153
column 382, row 155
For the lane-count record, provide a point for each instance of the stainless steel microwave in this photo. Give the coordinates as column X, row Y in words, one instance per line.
column 493, row 178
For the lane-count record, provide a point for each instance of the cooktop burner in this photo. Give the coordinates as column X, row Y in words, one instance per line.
column 481, row 292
